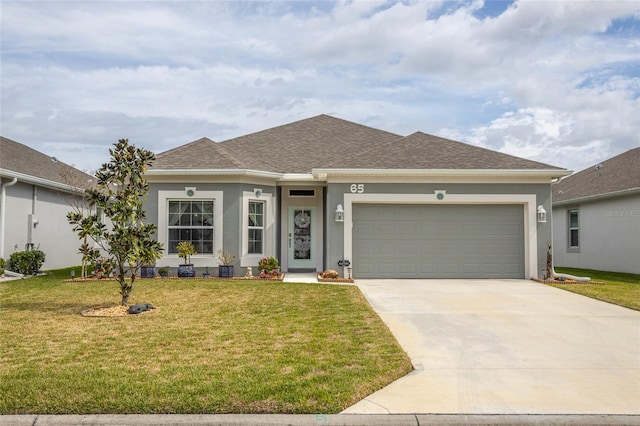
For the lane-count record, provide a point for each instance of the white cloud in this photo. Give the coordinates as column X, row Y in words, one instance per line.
column 540, row 80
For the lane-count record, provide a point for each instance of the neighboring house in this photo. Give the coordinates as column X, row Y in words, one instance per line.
column 321, row 191
column 597, row 216
column 35, row 192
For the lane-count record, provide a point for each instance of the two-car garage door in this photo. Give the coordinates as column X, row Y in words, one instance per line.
column 438, row 241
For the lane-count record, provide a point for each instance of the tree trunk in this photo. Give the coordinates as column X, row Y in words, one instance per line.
column 125, row 287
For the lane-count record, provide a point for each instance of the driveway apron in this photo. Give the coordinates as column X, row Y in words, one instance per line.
column 506, row 347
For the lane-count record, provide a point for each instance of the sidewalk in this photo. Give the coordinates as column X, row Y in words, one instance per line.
column 315, row 420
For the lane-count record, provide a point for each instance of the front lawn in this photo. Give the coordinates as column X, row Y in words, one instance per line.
column 619, row 288
column 211, row 347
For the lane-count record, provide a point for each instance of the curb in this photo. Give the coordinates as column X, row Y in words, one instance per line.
column 318, row 419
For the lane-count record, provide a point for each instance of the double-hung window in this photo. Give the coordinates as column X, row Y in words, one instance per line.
column 574, row 230
column 191, row 220
column 256, row 227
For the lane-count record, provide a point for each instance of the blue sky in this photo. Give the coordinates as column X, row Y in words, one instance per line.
column 553, row 81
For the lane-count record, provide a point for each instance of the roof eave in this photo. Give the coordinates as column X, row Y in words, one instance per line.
column 534, row 173
column 596, row 197
column 46, row 183
column 213, row 172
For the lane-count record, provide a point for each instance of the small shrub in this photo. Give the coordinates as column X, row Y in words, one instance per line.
column 26, row 262
column 269, row 264
column 3, row 264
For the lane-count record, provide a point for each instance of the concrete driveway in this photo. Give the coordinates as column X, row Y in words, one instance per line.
column 506, row 347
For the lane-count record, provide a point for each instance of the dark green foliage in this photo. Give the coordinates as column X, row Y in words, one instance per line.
column 3, row 264
column 120, row 194
column 26, row 262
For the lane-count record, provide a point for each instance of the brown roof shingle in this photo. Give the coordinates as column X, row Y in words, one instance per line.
column 206, row 154
column 325, row 142
column 311, row 143
column 423, row 151
column 19, row 158
column 618, row 173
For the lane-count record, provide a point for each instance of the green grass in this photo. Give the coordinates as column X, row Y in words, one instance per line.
column 619, row 288
column 212, row 347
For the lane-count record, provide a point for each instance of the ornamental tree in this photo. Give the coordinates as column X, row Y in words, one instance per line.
column 120, row 193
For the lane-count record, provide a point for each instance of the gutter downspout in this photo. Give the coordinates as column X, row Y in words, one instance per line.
column 3, row 197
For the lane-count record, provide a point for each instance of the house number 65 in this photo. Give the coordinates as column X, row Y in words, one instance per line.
column 357, row 188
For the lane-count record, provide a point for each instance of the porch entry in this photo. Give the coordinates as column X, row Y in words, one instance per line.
column 301, row 237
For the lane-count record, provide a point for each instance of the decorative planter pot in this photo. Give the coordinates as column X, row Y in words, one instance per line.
column 148, row 272
column 186, row 271
column 225, row 271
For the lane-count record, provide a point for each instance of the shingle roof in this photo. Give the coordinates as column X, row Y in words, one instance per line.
column 422, row 151
column 325, row 142
column 619, row 173
column 300, row 146
column 206, row 154
column 19, row 158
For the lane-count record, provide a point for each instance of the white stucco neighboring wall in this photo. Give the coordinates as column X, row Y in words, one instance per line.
column 609, row 235
column 26, row 204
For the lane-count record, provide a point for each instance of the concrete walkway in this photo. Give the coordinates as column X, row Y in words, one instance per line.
column 506, row 347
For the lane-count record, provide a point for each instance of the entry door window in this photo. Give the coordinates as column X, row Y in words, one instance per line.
column 302, row 232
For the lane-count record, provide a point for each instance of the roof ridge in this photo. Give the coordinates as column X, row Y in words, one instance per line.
column 180, row 147
column 315, row 117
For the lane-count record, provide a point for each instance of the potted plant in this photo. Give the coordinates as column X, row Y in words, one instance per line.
column 225, row 269
column 185, row 249
column 147, row 271
column 269, row 267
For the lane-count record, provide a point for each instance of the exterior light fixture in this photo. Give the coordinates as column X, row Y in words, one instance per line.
column 542, row 215
column 339, row 215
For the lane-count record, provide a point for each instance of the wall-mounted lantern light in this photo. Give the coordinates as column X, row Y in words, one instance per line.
column 542, row 215
column 339, row 215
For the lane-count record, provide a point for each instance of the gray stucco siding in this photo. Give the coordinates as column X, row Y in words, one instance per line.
column 53, row 234
column 231, row 215
column 609, row 235
column 337, row 191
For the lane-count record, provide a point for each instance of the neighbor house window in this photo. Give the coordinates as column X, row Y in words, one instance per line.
column 191, row 220
column 574, row 230
column 256, row 227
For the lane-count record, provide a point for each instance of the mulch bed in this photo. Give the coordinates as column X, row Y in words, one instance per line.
column 335, row 280
column 567, row 281
column 257, row 278
column 112, row 311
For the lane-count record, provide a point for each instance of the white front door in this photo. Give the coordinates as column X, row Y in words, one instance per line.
column 301, row 238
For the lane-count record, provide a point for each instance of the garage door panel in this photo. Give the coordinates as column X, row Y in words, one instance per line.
column 438, row 241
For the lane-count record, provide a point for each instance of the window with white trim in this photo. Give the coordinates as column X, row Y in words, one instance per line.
column 574, row 229
column 191, row 220
column 255, row 228
column 258, row 227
